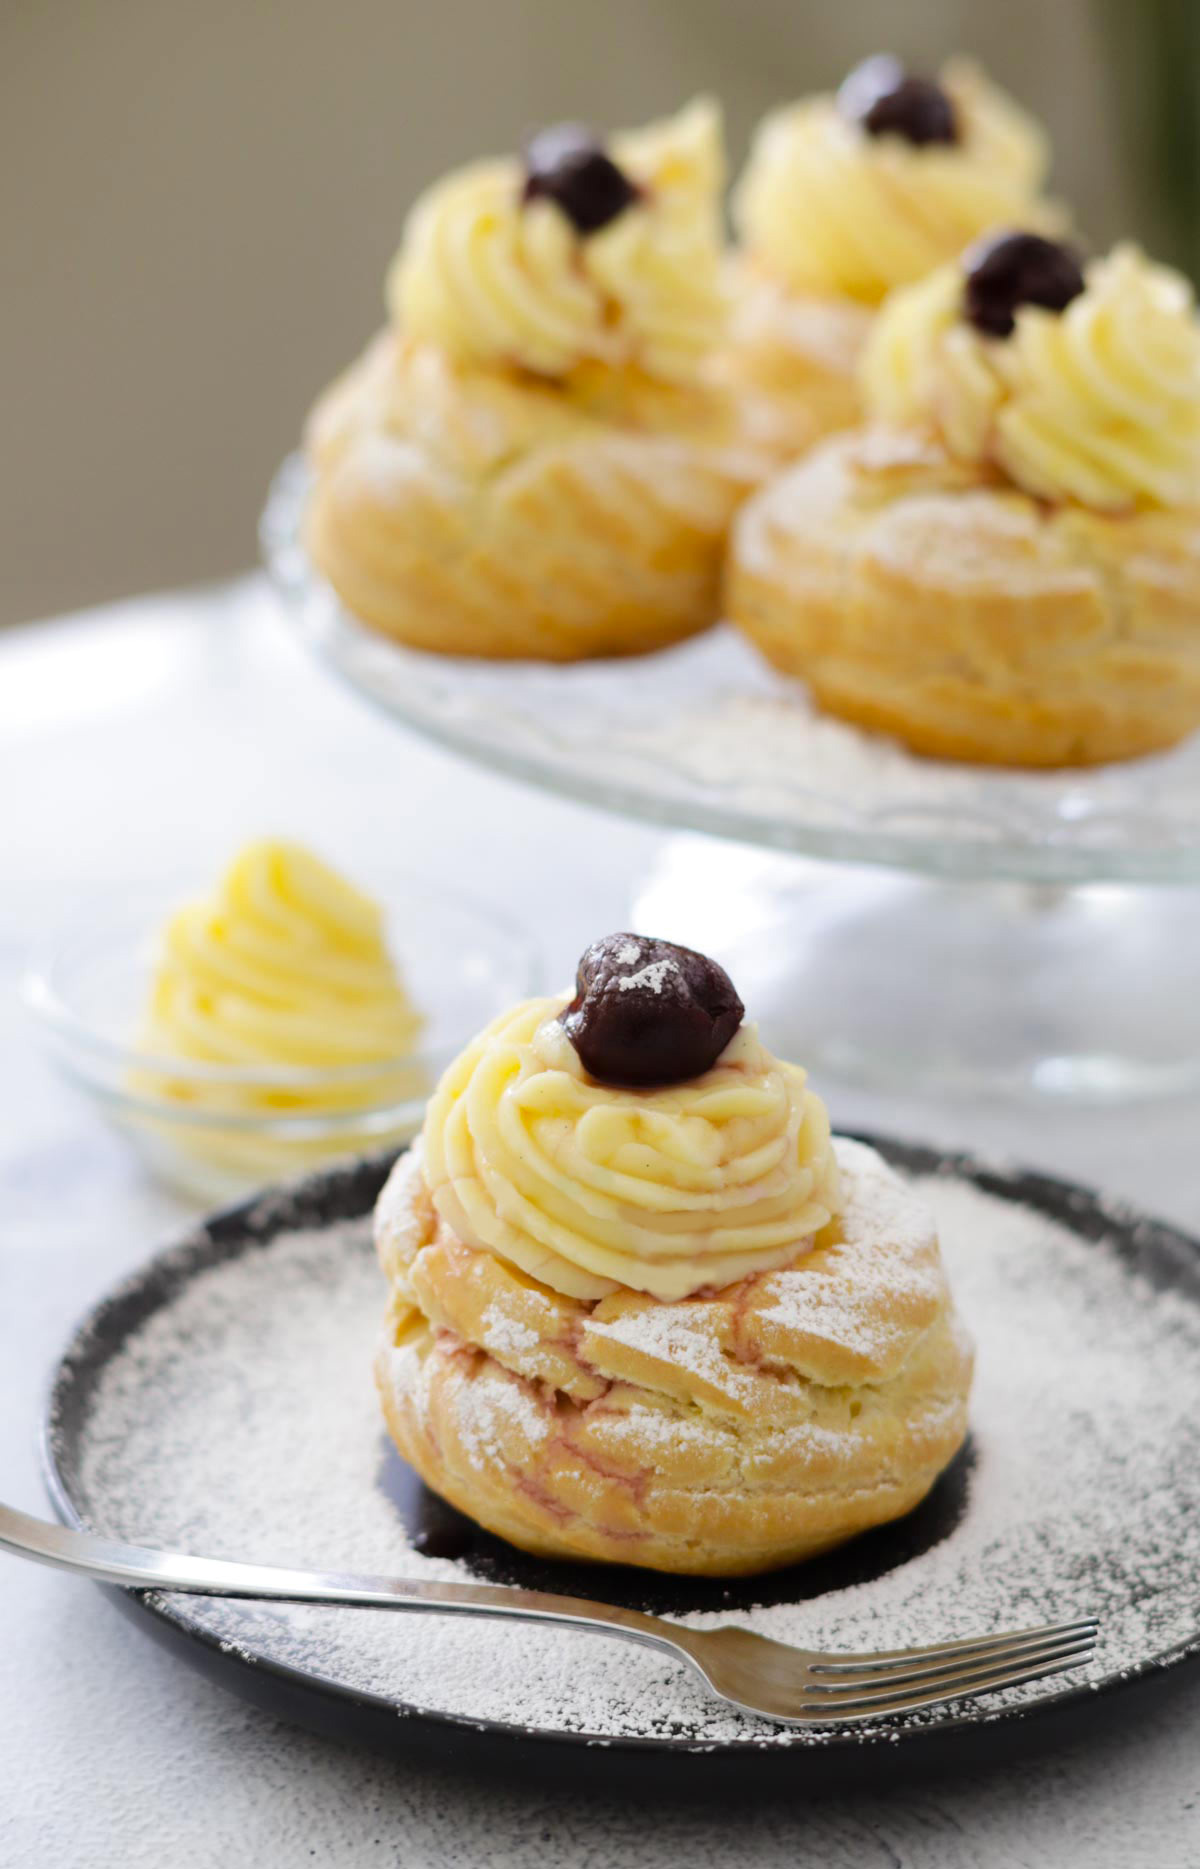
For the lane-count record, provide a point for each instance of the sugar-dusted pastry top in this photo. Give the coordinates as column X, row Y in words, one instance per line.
column 642, row 1306
column 1095, row 399
column 830, row 204
column 588, row 1186
column 495, row 270
column 489, row 428
column 852, row 1310
column 284, row 964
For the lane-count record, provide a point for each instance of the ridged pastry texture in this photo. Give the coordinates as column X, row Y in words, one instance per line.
column 800, row 351
column 932, row 599
column 732, row 1432
column 479, row 513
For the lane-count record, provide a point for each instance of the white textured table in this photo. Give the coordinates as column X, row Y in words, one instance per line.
column 151, row 738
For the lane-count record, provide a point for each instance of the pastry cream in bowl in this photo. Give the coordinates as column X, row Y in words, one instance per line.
column 286, row 964
column 281, row 1020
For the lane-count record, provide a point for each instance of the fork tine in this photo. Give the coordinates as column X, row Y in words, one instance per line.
column 974, row 1645
column 929, row 1694
column 933, row 1662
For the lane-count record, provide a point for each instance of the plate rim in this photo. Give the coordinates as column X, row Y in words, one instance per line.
column 234, row 1229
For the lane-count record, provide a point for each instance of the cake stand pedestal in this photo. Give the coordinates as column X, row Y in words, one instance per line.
column 1086, row 993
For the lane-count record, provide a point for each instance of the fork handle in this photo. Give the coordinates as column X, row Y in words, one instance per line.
column 137, row 1567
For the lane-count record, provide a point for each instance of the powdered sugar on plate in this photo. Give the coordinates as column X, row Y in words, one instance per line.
column 240, row 1420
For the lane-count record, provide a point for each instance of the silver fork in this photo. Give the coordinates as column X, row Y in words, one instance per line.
column 798, row 1687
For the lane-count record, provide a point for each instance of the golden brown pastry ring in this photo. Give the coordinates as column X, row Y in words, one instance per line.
column 492, row 514
column 931, row 600
column 729, row 1433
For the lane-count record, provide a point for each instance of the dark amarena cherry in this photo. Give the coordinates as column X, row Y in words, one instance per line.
column 1008, row 270
column 647, row 1013
column 567, row 164
column 881, row 96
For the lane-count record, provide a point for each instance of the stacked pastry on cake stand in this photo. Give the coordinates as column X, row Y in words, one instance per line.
column 939, row 471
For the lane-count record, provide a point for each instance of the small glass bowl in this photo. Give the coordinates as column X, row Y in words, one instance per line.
column 213, row 1131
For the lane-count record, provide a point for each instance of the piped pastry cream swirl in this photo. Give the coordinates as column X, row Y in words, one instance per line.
column 589, row 1188
column 1098, row 403
column 825, row 207
column 497, row 280
column 284, row 965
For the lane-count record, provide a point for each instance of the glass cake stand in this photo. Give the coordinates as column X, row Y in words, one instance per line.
column 963, row 928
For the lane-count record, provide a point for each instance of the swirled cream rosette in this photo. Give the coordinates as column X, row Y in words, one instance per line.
column 492, row 277
column 276, row 1013
column 588, row 1188
column 541, row 456
column 1005, row 566
column 1098, row 403
column 831, row 218
column 677, row 1326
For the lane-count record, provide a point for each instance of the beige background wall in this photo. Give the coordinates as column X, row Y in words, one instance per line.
column 197, row 202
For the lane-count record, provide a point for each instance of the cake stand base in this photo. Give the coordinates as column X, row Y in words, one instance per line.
column 1088, row 994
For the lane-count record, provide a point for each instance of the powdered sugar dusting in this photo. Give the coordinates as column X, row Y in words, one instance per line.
column 507, row 1336
column 485, row 1405
column 886, row 1266
column 241, row 1420
column 651, row 978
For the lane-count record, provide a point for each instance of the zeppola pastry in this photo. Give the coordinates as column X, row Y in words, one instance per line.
column 846, row 197
column 643, row 1308
column 538, row 457
column 1006, row 566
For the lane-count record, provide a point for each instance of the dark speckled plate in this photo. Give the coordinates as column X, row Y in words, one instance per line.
column 961, row 1736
